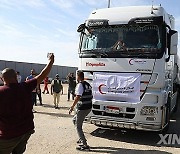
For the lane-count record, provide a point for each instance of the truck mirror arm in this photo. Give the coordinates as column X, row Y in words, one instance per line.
column 167, row 59
column 81, row 28
column 171, row 33
column 169, row 40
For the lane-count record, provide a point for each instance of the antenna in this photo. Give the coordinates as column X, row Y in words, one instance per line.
column 109, row 3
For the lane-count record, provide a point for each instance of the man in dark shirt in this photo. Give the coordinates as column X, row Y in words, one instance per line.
column 16, row 117
column 56, row 88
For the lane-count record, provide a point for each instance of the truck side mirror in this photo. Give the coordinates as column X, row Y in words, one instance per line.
column 174, row 42
column 81, row 28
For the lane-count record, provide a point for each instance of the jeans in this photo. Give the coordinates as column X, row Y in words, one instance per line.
column 34, row 101
column 78, row 122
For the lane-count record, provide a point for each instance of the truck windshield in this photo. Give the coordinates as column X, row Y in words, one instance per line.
column 122, row 39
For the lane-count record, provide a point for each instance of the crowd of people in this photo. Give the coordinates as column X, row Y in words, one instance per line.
column 17, row 99
column 56, row 87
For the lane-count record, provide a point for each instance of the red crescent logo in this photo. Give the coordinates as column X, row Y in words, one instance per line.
column 100, row 90
column 130, row 61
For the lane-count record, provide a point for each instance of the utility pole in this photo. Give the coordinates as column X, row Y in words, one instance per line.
column 109, row 3
column 152, row 7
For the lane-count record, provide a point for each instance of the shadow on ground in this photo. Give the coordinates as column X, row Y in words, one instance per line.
column 124, row 151
column 55, row 114
column 52, row 106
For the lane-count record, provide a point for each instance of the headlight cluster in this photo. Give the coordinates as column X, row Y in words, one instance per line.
column 149, row 110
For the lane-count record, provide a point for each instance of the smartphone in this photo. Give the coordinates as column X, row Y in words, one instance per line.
column 49, row 54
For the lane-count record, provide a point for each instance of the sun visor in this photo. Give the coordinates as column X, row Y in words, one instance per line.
column 97, row 23
column 147, row 20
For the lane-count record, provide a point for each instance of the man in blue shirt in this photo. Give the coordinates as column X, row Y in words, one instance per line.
column 30, row 77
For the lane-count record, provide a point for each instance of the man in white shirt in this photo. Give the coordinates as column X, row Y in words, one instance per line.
column 83, row 100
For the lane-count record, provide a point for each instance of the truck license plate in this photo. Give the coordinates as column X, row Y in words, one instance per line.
column 114, row 110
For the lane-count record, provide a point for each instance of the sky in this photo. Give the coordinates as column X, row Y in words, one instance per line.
column 29, row 29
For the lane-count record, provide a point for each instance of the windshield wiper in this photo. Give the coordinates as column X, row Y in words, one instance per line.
column 99, row 55
column 103, row 54
column 94, row 50
column 97, row 52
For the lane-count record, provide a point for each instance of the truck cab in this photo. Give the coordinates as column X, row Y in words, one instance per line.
column 129, row 56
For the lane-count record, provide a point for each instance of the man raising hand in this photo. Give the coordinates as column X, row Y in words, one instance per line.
column 16, row 117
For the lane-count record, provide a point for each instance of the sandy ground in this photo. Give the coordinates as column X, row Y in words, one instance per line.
column 55, row 134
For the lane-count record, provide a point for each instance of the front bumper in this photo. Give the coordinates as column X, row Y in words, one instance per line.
column 100, row 121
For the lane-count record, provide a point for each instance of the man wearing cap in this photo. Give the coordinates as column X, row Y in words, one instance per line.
column 16, row 117
column 56, row 88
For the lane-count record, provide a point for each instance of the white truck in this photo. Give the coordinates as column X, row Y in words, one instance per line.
column 129, row 55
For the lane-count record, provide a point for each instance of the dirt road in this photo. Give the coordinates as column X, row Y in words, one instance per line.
column 55, row 134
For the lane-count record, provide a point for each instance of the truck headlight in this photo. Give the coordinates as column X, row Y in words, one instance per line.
column 149, row 110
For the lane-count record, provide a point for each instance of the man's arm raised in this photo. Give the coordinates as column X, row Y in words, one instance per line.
column 44, row 73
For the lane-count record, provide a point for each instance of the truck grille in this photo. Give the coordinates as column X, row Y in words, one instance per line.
column 120, row 115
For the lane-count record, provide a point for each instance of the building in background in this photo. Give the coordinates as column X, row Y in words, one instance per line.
column 25, row 68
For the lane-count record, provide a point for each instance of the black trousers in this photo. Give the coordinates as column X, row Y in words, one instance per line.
column 71, row 90
column 34, row 101
column 40, row 97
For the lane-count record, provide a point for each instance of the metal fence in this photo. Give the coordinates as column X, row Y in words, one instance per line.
column 25, row 68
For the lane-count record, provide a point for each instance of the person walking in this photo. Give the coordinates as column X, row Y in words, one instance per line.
column 56, row 88
column 71, row 85
column 16, row 117
column 83, row 100
column 46, row 81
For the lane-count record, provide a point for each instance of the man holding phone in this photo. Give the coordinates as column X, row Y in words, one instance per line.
column 16, row 117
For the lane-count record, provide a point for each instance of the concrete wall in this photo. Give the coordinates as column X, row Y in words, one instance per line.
column 25, row 68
